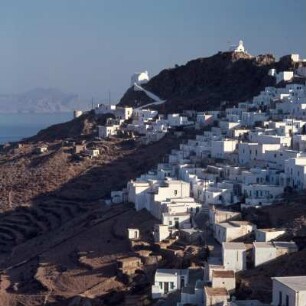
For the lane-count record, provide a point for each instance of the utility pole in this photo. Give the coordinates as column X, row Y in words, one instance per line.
column 109, row 98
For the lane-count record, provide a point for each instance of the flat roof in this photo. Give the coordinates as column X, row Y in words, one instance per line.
column 234, row 245
column 263, row 244
column 270, row 230
column 223, row 273
column 165, row 272
column 216, row 291
column 284, row 244
column 176, row 214
column 297, row 283
column 226, row 224
column 241, row 222
column 221, row 211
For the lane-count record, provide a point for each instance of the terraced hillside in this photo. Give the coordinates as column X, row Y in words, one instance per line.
column 50, row 199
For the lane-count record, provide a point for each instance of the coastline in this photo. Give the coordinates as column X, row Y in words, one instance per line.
column 16, row 126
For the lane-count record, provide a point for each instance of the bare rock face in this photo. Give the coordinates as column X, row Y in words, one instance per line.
column 205, row 83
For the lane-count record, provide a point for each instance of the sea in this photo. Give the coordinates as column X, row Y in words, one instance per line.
column 14, row 127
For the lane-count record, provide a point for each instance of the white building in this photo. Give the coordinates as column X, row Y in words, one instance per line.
column 215, row 296
column 220, row 148
column 176, row 120
column 289, row 291
column 295, row 173
column 133, row 233
column 122, row 113
column 105, row 131
column 284, row 76
column 140, row 78
column 266, row 251
column 234, row 256
column 225, row 278
column 177, row 220
column 137, row 193
column 268, row 234
column 161, row 232
column 169, row 280
column 232, row 230
column 237, row 48
column 261, row 194
column 249, row 151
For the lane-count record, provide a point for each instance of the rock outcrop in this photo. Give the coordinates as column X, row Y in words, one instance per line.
column 202, row 84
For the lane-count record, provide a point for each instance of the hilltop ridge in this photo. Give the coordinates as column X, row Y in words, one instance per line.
column 205, row 83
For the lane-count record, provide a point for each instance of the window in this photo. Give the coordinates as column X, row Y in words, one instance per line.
column 287, row 300
column 175, row 192
column 280, row 298
column 160, row 285
column 172, row 285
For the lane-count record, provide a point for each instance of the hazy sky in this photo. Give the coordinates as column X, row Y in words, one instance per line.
column 92, row 46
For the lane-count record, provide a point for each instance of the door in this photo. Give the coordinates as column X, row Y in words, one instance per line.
column 166, row 287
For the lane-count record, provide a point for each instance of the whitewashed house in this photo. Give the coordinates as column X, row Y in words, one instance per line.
column 137, row 193
column 234, row 256
column 289, row 291
column 266, row 251
column 203, row 119
column 232, row 230
column 249, row 151
column 295, row 173
column 215, row 296
column 225, row 279
column 218, row 196
column 252, row 118
column 169, row 280
column 227, row 126
column 268, row 234
column 175, row 120
column 177, row 220
column 111, row 129
column 133, row 233
column 161, row 232
column 261, row 194
column 284, row 76
column 220, row 148
column 143, row 115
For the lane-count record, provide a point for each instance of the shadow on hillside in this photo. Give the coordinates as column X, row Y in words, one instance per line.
column 51, row 210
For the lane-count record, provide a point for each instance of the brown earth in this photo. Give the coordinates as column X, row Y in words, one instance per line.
column 57, row 239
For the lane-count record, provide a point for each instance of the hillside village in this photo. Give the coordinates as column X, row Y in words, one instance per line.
column 252, row 155
column 180, row 233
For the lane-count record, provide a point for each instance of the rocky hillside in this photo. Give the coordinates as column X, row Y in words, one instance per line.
column 205, row 83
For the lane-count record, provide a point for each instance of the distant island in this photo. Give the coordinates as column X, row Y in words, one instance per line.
column 40, row 100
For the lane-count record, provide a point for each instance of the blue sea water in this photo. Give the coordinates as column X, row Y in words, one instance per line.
column 14, row 127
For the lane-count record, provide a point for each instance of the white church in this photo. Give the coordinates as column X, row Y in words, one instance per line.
column 140, row 78
column 238, row 48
